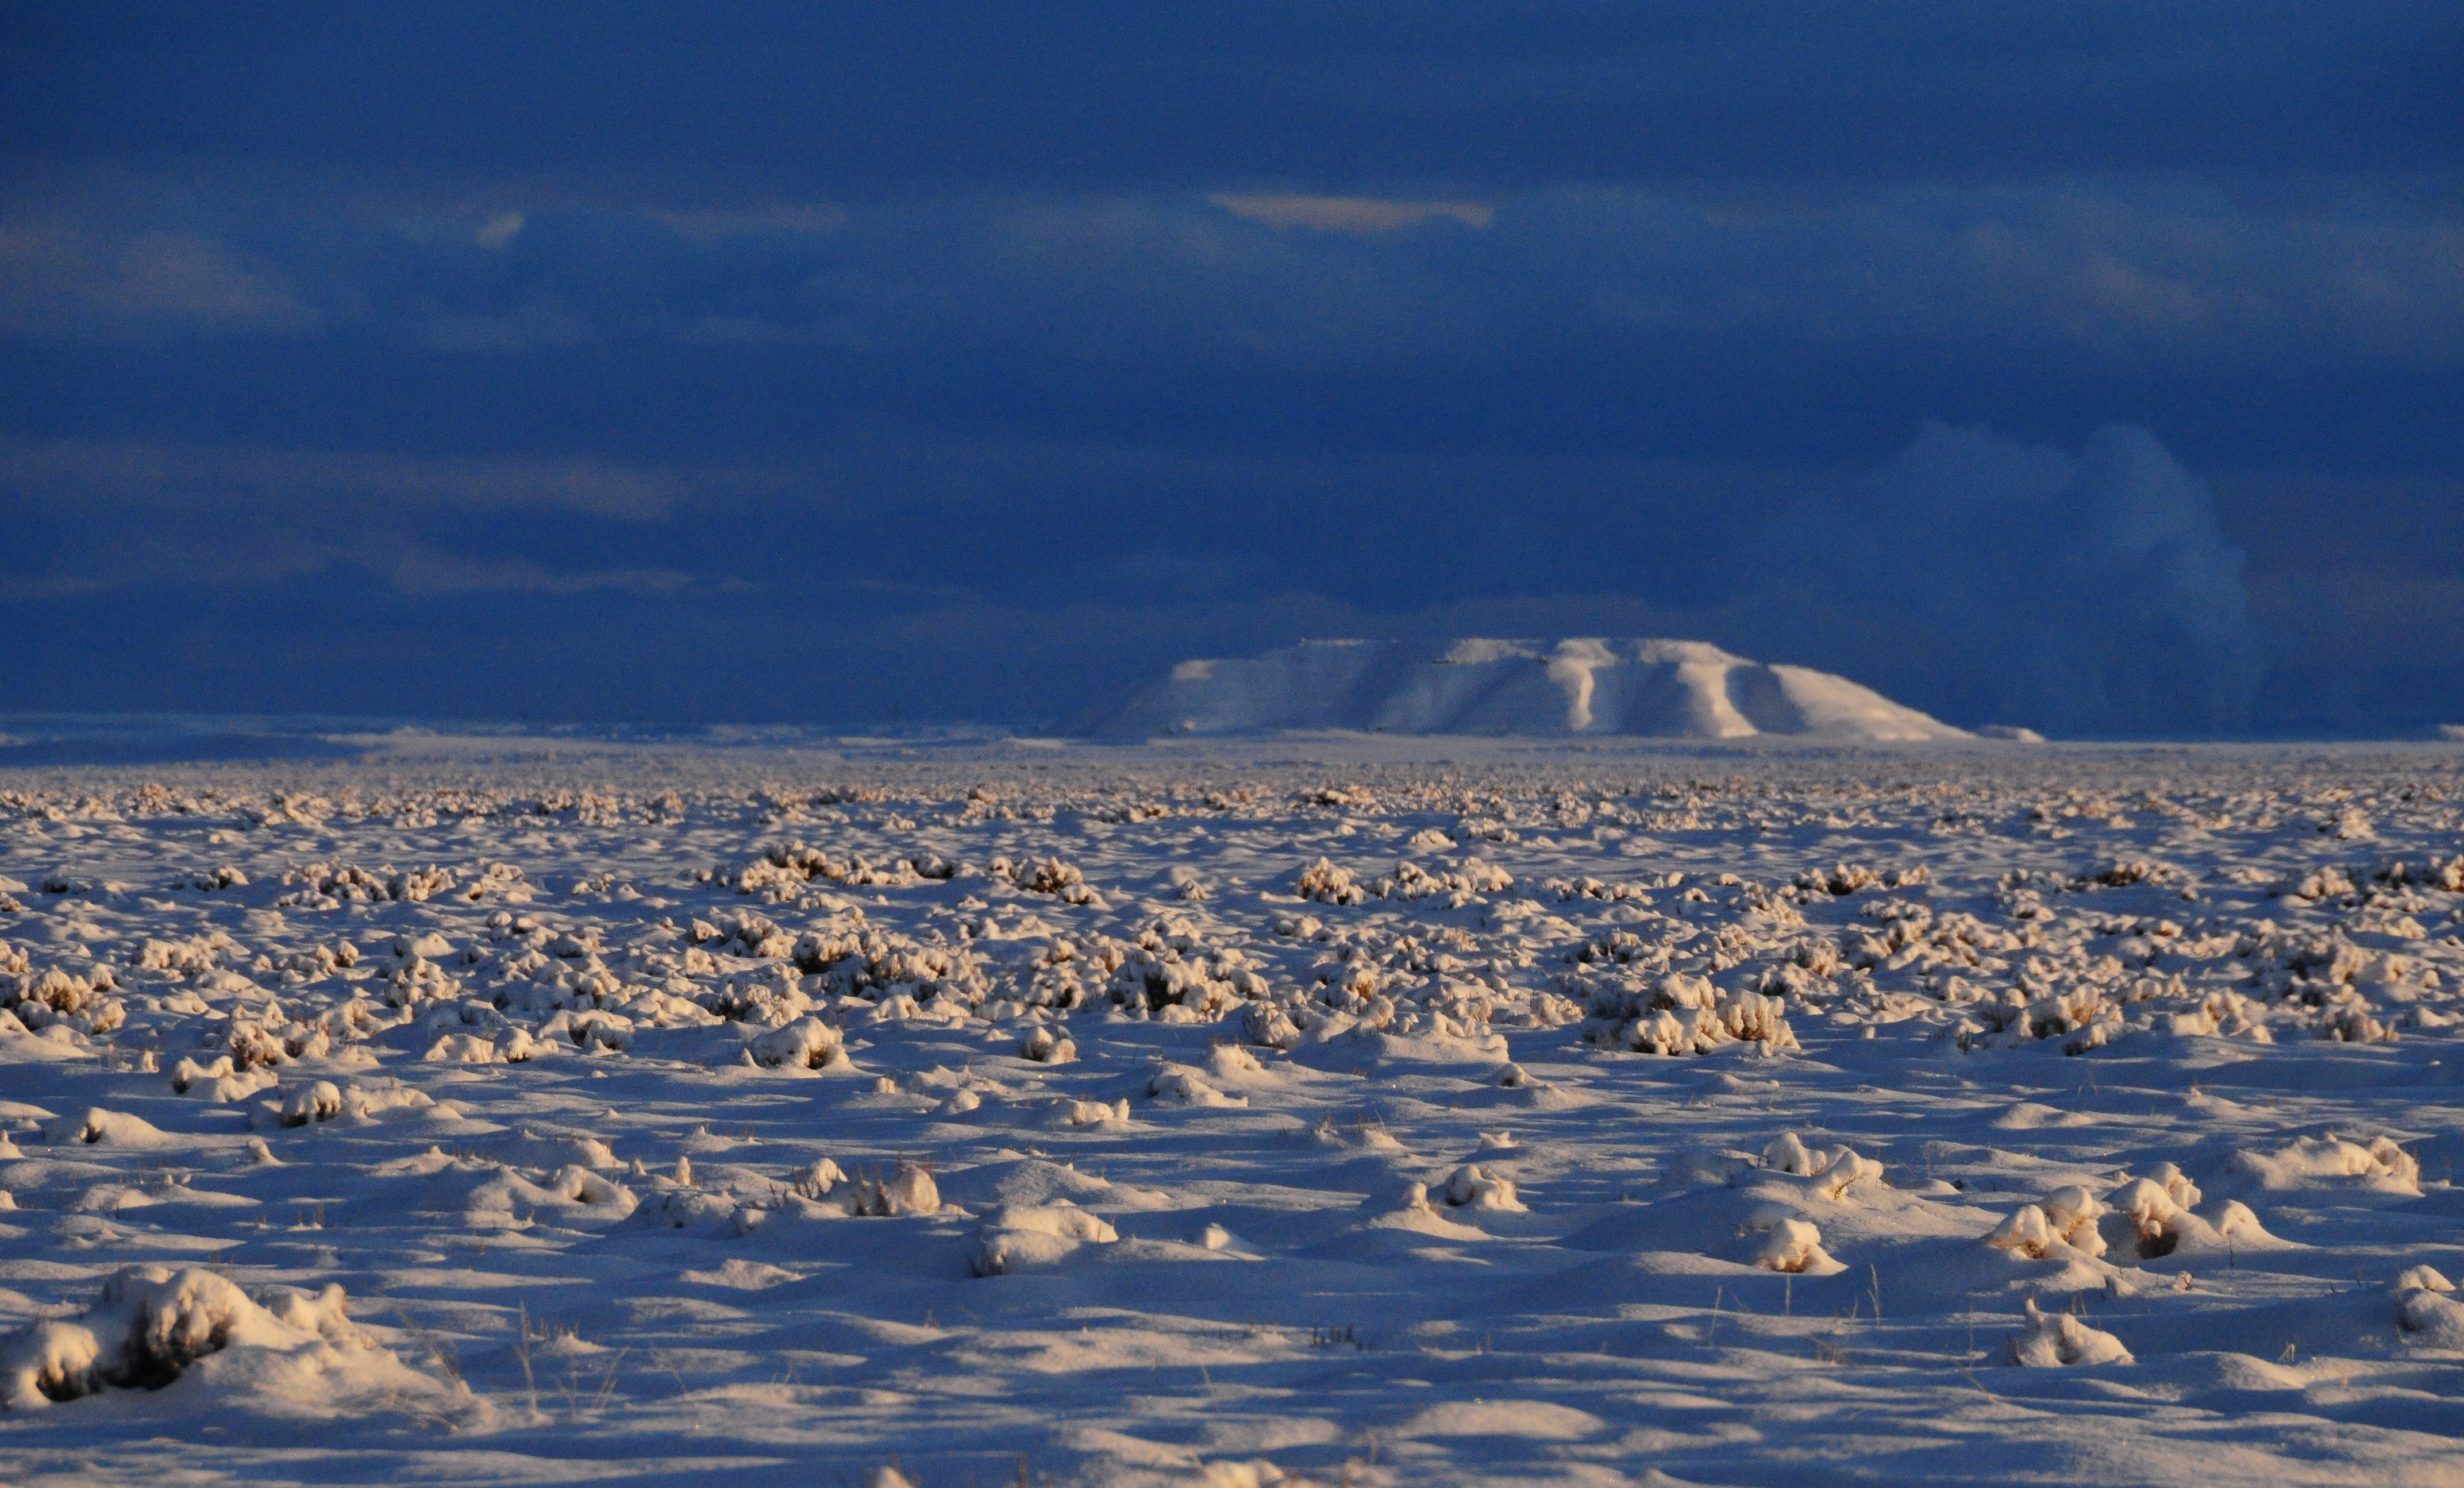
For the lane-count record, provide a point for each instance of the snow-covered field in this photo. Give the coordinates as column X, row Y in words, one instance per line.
column 1322, row 1109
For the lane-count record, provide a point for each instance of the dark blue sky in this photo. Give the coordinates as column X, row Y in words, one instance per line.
column 2093, row 366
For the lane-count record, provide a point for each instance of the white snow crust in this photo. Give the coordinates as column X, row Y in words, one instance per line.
column 1326, row 1110
column 1642, row 687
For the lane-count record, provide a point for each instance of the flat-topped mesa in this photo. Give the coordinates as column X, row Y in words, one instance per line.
column 1617, row 685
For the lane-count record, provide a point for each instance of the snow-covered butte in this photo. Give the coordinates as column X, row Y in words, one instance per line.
column 1628, row 686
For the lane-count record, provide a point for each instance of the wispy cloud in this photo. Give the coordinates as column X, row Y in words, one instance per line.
column 499, row 230
column 803, row 219
column 171, row 474
column 424, row 573
column 1357, row 215
column 49, row 586
column 58, row 280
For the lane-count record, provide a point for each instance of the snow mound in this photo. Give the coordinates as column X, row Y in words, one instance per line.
column 2330, row 1162
column 1036, row 1235
column 1580, row 686
column 151, row 1324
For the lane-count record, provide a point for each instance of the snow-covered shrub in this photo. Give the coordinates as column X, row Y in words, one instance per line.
column 908, row 1190
column 413, row 978
column 2427, row 1311
column 1092, row 1113
column 2053, row 1340
column 1049, row 876
column 783, row 871
column 1172, row 973
column 740, row 934
column 1325, row 883
column 572, row 1193
column 81, row 1003
column 1793, row 1245
column 332, row 884
column 1020, row 1234
column 2347, row 1018
column 671, row 1208
column 760, row 998
column 1679, row 1014
column 95, row 1127
column 508, row 1046
column 2153, row 1209
column 807, row 1044
column 1468, row 1187
column 1847, row 877
column 1830, row 1171
column 312, row 1103
column 2223, row 1014
column 854, row 959
column 816, row 1179
column 2063, row 1221
column 151, row 1324
column 2310, row 1162
column 1183, row 1085
column 1456, row 885
column 1046, row 1047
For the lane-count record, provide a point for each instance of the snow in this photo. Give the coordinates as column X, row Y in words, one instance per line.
column 1390, row 1110
column 1582, row 686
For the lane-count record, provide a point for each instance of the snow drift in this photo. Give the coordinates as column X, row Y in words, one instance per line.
column 1580, row 686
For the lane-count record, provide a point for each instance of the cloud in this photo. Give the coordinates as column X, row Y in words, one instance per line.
column 422, row 573
column 167, row 474
column 48, row 587
column 796, row 219
column 59, row 281
column 499, row 230
column 2083, row 594
column 2113, row 267
column 932, row 99
column 1358, row 215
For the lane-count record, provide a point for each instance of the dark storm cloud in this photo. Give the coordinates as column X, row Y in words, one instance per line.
column 929, row 99
column 803, row 362
column 2077, row 594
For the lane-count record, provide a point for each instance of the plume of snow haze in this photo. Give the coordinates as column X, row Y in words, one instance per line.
column 2083, row 594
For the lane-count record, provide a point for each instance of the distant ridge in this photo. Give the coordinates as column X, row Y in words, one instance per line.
column 1582, row 686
